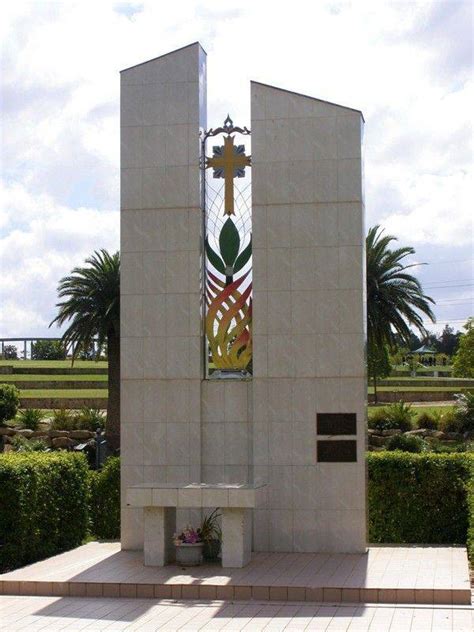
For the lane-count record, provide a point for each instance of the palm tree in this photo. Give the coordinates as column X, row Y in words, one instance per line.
column 91, row 306
column 395, row 298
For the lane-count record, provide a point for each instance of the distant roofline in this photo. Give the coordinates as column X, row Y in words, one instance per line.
column 300, row 94
column 165, row 54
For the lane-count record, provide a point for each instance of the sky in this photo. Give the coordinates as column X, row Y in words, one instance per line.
column 407, row 65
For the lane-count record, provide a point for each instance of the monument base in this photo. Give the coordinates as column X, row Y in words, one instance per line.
column 408, row 575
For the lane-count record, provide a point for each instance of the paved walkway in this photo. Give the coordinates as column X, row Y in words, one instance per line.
column 53, row 614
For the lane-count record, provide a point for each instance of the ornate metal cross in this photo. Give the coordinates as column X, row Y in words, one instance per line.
column 229, row 162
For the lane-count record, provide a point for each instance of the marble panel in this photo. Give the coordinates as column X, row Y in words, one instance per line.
column 132, row 232
column 349, row 132
column 131, row 147
column 131, row 188
column 131, row 354
column 154, row 444
column 131, row 313
column 154, row 315
column 154, row 146
column 349, row 180
column 153, row 226
column 131, row 396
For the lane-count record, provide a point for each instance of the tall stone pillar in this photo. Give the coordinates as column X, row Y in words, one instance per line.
column 309, row 383
column 162, row 110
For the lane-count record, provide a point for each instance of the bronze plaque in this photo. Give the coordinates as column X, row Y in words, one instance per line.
column 337, row 451
column 336, row 423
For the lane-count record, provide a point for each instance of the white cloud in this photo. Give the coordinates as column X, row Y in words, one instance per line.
column 51, row 240
column 406, row 65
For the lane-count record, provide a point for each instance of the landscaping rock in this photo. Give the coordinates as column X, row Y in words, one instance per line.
column 81, row 434
column 454, row 436
column 6, row 431
column 391, row 432
column 42, row 437
column 58, row 433
column 25, row 432
column 439, row 434
column 377, row 440
column 62, row 442
column 469, row 435
column 39, row 433
column 419, row 432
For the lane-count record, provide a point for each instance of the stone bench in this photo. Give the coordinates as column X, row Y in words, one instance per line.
column 160, row 501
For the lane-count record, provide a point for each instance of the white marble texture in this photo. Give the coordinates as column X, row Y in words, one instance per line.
column 161, row 115
column 309, row 315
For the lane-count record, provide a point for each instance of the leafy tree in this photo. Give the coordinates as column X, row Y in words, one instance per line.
column 430, row 340
column 448, row 340
column 9, row 402
column 10, row 352
column 395, row 298
column 48, row 350
column 378, row 364
column 463, row 363
column 91, row 306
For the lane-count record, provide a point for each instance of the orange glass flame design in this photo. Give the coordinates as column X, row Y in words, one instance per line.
column 228, row 323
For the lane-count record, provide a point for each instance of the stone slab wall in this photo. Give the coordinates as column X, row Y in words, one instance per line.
column 162, row 111
column 308, row 319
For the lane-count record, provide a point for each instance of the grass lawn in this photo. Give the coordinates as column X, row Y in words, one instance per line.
column 54, row 364
column 421, row 367
column 417, row 409
column 31, row 377
column 422, row 378
column 60, row 393
column 420, row 389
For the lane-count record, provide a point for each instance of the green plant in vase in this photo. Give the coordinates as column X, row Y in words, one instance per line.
column 211, row 535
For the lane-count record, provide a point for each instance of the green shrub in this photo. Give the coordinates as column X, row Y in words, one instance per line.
column 90, row 419
column 43, row 500
column 418, row 498
column 401, row 415
column 470, row 529
column 428, row 421
column 21, row 444
column 30, row 418
column 377, row 419
column 407, row 443
column 464, row 411
column 9, row 402
column 449, row 422
column 63, row 419
column 397, row 416
column 105, row 500
column 48, row 350
column 451, row 447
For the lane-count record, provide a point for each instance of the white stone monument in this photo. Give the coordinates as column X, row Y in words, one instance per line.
column 243, row 322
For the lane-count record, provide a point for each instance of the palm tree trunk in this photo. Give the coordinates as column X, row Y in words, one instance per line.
column 375, row 388
column 112, row 430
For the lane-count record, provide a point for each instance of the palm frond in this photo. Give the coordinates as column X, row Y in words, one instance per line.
column 395, row 298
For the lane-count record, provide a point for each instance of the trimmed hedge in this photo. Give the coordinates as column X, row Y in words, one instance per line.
column 420, row 498
column 470, row 530
column 105, row 500
column 50, row 502
column 43, row 505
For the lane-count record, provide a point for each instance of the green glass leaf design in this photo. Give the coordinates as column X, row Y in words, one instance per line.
column 229, row 242
column 243, row 257
column 214, row 258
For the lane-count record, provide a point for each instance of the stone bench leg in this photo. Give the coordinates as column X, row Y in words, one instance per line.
column 236, row 537
column 160, row 525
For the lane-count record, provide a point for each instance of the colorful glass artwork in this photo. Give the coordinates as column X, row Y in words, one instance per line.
column 228, row 253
